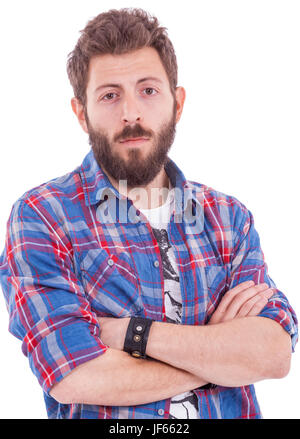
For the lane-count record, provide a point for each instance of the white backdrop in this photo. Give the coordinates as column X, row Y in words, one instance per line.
column 239, row 62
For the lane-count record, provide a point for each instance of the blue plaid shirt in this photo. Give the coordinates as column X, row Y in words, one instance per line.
column 77, row 249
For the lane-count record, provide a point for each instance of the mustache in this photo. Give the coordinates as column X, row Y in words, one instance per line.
column 135, row 131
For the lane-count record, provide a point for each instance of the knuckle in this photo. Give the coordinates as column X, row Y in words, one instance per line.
column 246, row 308
column 260, row 304
column 262, row 286
column 231, row 293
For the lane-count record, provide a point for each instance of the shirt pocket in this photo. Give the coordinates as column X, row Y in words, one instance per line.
column 212, row 283
column 110, row 283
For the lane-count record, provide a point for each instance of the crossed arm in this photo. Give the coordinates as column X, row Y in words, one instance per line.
column 236, row 348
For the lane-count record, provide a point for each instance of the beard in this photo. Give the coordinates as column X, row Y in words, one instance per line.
column 137, row 170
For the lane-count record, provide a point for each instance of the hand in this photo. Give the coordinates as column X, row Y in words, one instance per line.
column 113, row 331
column 246, row 299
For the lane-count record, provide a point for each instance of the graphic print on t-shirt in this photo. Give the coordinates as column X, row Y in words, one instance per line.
column 185, row 405
column 171, row 278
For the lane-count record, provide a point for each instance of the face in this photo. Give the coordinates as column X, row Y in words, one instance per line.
column 131, row 114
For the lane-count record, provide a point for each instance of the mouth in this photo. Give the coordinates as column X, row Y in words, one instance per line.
column 134, row 141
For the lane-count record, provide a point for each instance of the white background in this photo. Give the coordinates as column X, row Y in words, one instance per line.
column 239, row 62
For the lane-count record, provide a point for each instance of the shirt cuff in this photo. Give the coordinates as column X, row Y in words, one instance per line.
column 62, row 350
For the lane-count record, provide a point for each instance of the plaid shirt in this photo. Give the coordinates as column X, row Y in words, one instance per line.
column 72, row 254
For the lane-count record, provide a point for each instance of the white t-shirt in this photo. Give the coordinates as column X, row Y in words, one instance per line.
column 185, row 405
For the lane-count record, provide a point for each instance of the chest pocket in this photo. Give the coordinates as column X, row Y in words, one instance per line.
column 110, row 283
column 216, row 286
column 211, row 284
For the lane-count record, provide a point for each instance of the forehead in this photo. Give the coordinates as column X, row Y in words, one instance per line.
column 131, row 66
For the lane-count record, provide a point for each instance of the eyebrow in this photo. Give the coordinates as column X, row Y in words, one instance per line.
column 148, row 78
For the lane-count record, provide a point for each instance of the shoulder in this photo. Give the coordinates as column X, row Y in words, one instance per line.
column 215, row 199
column 221, row 209
column 50, row 199
column 59, row 186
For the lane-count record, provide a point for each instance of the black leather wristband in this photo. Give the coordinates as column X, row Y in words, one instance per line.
column 137, row 336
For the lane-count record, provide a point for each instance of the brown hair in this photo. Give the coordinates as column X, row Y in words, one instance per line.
column 118, row 32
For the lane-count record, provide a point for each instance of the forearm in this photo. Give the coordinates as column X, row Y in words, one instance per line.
column 117, row 379
column 234, row 353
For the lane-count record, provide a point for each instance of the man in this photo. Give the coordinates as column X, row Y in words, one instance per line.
column 137, row 293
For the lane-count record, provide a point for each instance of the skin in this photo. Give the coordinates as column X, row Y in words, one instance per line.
column 237, row 347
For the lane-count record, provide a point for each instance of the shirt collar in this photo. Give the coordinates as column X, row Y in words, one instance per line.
column 188, row 199
column 95, row 182
column 192, row 193
column 96, row 185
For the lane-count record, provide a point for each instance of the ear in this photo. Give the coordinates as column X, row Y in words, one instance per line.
column 78, row 109
column 180, row 99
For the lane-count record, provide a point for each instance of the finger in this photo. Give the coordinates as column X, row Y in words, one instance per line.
column 220, row 313
column 231, row 294
column 240, row 299
column 254, row 305
column 258, row 306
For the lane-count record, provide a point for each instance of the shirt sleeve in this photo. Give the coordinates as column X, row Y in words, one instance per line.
column 248, row 263
column 47, row 306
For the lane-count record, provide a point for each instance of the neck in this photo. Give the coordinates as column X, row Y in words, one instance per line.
column 149, row 196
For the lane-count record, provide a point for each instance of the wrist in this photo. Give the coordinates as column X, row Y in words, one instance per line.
column 113, row 330
column 136, row 337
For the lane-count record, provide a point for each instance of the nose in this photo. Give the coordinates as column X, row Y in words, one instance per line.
column 130, row 112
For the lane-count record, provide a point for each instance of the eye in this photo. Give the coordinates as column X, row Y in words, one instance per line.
column 109, row 96
column 150, row 91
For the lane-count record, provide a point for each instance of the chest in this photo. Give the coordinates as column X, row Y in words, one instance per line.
column 121, row 267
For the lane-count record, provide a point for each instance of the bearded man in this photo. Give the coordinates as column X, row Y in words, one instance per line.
column 137, row 293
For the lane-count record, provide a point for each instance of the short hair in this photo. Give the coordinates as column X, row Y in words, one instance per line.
column 119, row 32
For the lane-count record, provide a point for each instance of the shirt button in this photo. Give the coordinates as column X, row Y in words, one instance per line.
column 156, row 263
column 110, row 262
column 161, row 412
